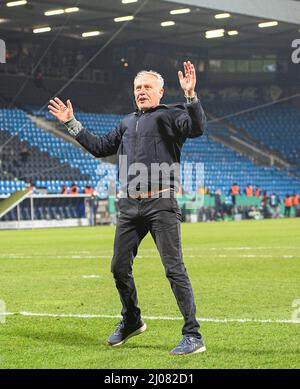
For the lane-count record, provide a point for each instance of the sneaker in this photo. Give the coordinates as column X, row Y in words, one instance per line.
column 189, row 345
column 125, row 331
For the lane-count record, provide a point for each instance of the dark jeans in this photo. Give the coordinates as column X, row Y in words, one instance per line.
column 162, row 217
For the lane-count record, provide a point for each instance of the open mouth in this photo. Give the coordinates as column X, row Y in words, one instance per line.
column 142, row 100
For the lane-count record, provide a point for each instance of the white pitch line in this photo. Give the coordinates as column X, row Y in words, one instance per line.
column 143, row 252
column 201, row 319
column 91, row 276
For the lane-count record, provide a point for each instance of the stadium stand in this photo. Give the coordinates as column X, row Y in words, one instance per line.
column 51, row 162
column 22, row 161
column 274, row 126
column 89, row 99
column 10, row 186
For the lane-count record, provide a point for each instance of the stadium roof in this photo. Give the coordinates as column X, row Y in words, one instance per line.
column 189, row 30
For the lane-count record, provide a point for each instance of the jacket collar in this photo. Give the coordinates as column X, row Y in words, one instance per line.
column 164, row 106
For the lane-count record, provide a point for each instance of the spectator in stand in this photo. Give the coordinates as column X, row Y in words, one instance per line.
column 80, row 60
column 88, row 190
column 64, row 189
column 257, row 192
column 38, row 79
column 296, row 201
column 288, row 203
column 234, row 191
column 74, row 189
column 24, row 153
column 249, row 190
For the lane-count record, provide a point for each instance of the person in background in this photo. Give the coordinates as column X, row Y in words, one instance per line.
column 219, row 206
column 296, row 201
column 24, row 153
column 234, row 191
column 274, row 203
column 265, row 205
column 288, row 203
column 64, row 190
column 74, row 189
column 265, row 197
column 249, row 190
column 180, row 191
column 257, row 192
column 88, row 189
column 93, row 201
column 38, row 79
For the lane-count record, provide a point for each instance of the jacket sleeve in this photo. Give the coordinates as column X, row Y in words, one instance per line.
column 191, row 122
column 101, row 146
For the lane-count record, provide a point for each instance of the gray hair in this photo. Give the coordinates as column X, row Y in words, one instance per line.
column 153, row 73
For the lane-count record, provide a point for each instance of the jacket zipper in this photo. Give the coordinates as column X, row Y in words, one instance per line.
column 137, row 135
column 136, row 139
column 155, row 151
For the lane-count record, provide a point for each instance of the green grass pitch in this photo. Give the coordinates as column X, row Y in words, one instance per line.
column 239, row 270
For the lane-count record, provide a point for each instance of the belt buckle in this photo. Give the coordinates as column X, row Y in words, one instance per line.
column 140, row 196
column 144, row 195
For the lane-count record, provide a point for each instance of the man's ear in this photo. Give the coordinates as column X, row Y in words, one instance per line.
column 162, row 91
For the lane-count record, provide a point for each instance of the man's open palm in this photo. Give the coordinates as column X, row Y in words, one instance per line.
column 58, row 109
column 188, row 80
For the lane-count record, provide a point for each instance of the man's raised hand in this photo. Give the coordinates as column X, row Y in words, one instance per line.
column 188, row 80
column 58, row 109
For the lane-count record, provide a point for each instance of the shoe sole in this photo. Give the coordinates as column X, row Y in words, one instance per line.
column 137, row 332
column 199, row 350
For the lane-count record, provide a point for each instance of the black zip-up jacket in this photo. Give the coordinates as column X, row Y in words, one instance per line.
column 151, row 138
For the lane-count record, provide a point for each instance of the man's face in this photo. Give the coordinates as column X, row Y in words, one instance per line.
column 147, row 92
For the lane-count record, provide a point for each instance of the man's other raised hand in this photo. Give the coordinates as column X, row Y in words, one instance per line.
column 58, row 109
